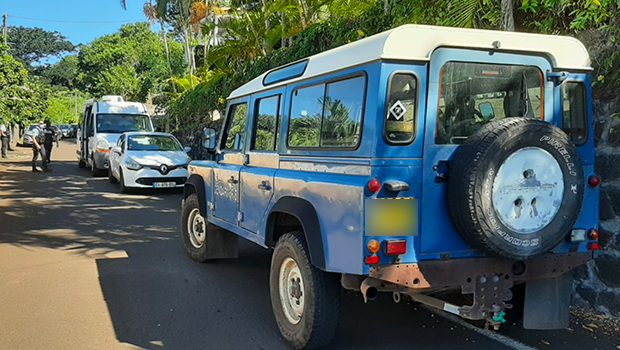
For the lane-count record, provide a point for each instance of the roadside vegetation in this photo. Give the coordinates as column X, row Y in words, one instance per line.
column 193, row 53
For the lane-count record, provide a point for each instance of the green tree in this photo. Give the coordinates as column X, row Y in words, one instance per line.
column 31, row 45
column 62, row 73
column 21, row 96
column 131, row 62
column 61, row 107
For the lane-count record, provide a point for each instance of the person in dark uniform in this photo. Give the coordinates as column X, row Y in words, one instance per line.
column 37, row 148
column 48, row 142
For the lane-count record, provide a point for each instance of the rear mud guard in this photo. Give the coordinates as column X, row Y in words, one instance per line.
column 547, row 303
column 221, row 244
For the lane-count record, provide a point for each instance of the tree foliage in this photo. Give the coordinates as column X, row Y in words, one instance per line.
column 21, row 95
column 31, row 45
column 131, row 62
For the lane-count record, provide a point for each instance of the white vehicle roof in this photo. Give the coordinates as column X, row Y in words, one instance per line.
column 417, row 42
column 116, row 107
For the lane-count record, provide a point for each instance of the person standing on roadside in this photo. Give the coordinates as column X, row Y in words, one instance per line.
column 37, row 141
column 4, row 138
column 48, row 142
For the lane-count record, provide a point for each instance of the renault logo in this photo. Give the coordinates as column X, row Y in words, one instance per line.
column 163, row 168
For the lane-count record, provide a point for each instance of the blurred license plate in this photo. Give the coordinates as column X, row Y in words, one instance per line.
column 391, row 217
column 164, row 184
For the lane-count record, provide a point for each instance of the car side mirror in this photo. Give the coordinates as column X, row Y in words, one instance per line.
column 187, row 149
column 210, row 139
column 487, row 111
column 117, row 150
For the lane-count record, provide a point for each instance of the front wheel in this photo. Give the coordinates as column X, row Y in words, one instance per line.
column 111, row 177
column 305, row 300
column 194, row 229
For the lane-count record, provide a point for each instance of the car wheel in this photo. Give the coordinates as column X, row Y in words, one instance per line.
column 121, row 181
column 194, row 229
column 81, row 164
column 111, row 177
column 516, row 188
column 305, row 300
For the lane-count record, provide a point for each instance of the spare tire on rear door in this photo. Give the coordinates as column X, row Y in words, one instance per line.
column 515, row 188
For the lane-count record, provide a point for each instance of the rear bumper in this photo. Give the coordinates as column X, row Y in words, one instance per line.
column 461, row 273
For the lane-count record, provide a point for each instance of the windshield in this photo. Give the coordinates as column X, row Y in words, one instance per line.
column 474, row 94
column 153, row 143
column 120, row 123
column 32, row 127
column 64, row 127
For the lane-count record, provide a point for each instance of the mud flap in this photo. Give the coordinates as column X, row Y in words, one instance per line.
column 221, row 244
column 547, row 303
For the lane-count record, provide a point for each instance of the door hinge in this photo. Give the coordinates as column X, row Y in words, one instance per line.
column 240, row 216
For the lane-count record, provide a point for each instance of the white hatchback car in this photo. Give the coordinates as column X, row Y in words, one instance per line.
column 148, row 160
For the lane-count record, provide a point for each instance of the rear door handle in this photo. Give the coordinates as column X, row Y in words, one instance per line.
column 264, row 185
column 232, row 180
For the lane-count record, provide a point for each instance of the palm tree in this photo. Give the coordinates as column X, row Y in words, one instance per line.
column 466, row 13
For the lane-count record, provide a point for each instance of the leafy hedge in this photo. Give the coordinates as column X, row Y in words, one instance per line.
column 193, row 107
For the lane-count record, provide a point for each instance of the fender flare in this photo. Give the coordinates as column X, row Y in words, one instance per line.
column 196, row 184
column 305, row 213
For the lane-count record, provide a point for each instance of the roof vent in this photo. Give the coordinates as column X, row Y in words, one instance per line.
column 112, row 98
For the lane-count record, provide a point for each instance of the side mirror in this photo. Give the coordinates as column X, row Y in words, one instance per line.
column 210, row 139
column 117, row 149
column 487, row 111
column 187, row 149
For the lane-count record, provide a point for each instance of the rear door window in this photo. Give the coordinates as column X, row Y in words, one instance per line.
column 474, row 94
column 574, row 112
column 266, row 123
column 235, row 129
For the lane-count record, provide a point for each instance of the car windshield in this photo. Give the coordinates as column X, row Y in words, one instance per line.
column 120, row 123
column 32, row 127
column 153, row 143
column 64, row 127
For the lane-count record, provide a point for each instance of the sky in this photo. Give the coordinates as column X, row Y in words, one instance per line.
column 65, row 16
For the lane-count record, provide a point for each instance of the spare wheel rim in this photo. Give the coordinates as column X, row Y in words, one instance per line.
column 291, row 290
column 528, row 190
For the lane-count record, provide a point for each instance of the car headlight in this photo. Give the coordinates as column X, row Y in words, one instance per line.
column 131, row 164
column 103, row 146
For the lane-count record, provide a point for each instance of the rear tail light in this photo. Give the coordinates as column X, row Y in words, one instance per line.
column 395, row 247
column 594, row 180
column 593, row 234
column 373, row 185
column 372, row 259
column 593, row 246
column 373, row 246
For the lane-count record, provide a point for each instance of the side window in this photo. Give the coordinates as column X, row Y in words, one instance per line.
column 343, row 107
column 327, row 115
column 235, row 128
column 306, row 115
column 574, row 112
column 401, row 108
column 266, row 123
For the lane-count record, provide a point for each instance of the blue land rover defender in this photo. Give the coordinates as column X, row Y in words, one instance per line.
column 419, row 161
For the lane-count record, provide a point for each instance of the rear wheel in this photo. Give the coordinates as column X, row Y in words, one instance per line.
column 305, row 300
column 194, row 229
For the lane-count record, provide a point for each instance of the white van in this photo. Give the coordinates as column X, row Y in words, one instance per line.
column 101, row 124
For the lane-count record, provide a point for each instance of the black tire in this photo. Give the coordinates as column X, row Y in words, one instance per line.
column 470, row 188
column 121, row 182
column 196, row 252
column 81, row 164
column 111, row 177
column 319, row 319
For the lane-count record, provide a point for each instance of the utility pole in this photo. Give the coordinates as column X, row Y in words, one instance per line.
column 4, row 29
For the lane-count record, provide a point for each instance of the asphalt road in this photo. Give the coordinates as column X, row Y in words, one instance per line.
column 83, row 266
